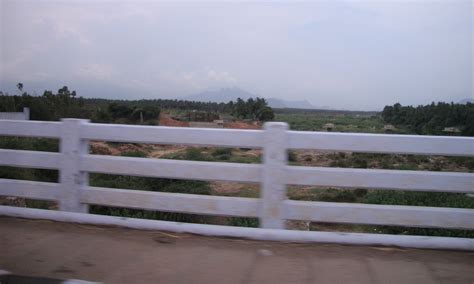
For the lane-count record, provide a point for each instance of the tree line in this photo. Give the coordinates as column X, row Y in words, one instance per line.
column 65, row 103
column 432, row 118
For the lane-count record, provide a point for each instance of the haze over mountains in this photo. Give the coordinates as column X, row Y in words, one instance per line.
column 225, row 95
column 466, row 100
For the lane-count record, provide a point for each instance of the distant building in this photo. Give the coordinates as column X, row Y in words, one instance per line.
column 329, row 127
column 25, row 115
column 388, row 128
column 226, row 118
column 219, row 123
column 202, row 116
column 451, row 130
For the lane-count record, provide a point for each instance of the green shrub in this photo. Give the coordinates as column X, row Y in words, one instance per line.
column 339, row 164
column 27, row 143
column 407, row 167
column 222, row 154
column 329, row 195
column 245, row 159
column 194, row 154
column 136, row 153
column 359, row 163
column 222, row 151
column 243, row 222
column 29, row 174
column 292, row 156
column 360, row 192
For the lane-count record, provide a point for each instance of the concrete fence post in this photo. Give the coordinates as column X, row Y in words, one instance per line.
column 273, row 188
column 26, row 113
column 72, row 147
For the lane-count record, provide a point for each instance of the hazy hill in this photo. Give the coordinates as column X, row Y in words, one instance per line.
column 467, row 100
column 278, row 103
column 225, row 95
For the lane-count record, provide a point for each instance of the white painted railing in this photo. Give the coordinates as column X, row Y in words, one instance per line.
column 24, row 115
column 273, row 208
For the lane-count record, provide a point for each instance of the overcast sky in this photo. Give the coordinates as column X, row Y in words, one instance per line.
column 343, row 54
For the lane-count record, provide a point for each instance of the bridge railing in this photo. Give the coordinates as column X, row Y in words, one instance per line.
column 74, row 194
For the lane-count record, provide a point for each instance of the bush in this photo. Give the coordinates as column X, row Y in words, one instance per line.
column 243, row 222
column 29, row 174
column 27, row 143
column 292, row 156
column 222, row 153
column 407, row 167
column 339, row 164
column 359, row 163
column 136, row 153
column 194, row 154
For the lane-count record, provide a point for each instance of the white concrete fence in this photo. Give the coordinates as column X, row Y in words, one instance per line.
column 24, row 115
column 273, row 208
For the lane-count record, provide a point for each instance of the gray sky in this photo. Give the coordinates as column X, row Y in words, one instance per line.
column 343, row 54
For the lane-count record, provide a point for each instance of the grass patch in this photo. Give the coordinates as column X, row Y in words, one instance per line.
column 27, row 143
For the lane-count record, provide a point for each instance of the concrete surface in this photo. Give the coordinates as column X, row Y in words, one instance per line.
column 117, row 255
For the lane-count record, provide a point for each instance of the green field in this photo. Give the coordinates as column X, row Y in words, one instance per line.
column 342, row 122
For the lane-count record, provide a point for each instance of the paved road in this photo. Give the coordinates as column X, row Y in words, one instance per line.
column 117, row 255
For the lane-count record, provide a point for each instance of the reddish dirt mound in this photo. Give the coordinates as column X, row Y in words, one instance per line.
column 242, row 125
column 131, row 148
column 166, row 120
column 101, row 148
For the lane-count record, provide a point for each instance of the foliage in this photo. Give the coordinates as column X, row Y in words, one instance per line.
column 243, row 222
column 344, row 122
column 66, row 104
column 195, row 154
column 49, row 106
column 257, row 109
column 433, row 118
column 219, row 154
column 138, row 154
column 28, row 143
column 222, row 154
column 292, row 156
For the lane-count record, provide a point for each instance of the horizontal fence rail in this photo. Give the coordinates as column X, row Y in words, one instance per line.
column 408, row 216
column 172, row 202
column 382, row 143
column 30, row 128
column 173, row 135
column 30, row 189
column 74, row 194
column 31, row 159
column 381, row 179
column 171, row 168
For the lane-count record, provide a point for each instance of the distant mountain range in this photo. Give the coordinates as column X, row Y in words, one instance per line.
column 467, row 100
column 225, row 95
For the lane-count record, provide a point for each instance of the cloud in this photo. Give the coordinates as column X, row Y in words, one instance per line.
column 95, row 71
column 197, row 80
column 349, row 54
